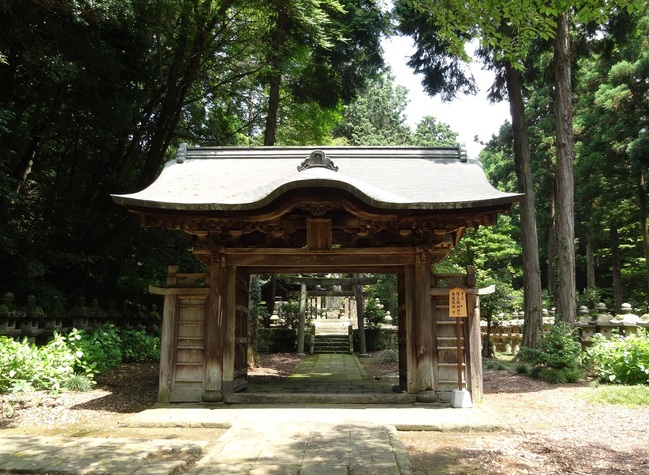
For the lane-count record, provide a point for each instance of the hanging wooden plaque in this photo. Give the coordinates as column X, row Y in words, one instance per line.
column 457, row 302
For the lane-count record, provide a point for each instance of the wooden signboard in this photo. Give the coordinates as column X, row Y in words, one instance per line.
column 457, row 309
column 457, row 302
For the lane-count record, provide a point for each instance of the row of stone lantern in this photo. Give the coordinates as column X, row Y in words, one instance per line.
column 507, row 335
column 32, row 322
column 626, row 322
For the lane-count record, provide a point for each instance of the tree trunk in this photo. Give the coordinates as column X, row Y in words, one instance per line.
column 644, row 222
column 565, row 205
column 616, row 268
column 552, row 246
column 275, row 81
column 590, row 262
column 533, row 323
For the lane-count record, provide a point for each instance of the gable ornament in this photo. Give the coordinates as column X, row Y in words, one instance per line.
column 317, row 159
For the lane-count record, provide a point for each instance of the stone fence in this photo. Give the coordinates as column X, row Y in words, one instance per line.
column 506, row 335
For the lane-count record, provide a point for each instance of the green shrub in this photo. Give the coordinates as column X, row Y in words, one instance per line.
column 80, row 383
column 138, row 346
column 492, row 363
column 25, row 367
column 71, row 361
column 620, row 360
column 101, row 349
column 391, row 356
column 522, row 368
column 559, row 360
column 374, row 314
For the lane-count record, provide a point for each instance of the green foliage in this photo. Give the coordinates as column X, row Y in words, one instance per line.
column 522, row 369
column 492, row 363
column 390, row 356
column 377, row 117
column 620, row 360
column 374, row 314
column 101, row 348
column 26, row 367
column 559, row 360
column 80, row 383
column 509, row 28
column 138, row 346
column 71, row 361
column 289, row 314
column 429, row 132
column 258, row 311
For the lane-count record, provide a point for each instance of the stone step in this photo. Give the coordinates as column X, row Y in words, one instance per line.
column 332, row 338
column 331, row 349
column 318, row 398
column 331, row 344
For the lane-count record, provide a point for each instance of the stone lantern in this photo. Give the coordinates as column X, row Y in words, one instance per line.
column 585, row 324
column 643, row 321
column 603, row 322
column 626, row 320
column 7, row 314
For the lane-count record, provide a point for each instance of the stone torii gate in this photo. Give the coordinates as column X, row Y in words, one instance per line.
column 347, row 210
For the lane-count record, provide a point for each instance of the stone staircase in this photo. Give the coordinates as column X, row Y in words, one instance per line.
column 332, row 336
column 331, row 343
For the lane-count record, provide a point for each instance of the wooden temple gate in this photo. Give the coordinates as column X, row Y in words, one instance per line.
column 392, row 211
column 196, row 325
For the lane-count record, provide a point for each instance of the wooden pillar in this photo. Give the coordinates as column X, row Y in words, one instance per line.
column 407, row 329
column 229, row 327
column 214, row 327
column 360, row 317
column 422, row 334
column 168, row 338
column 473, row 350
column 301, row 320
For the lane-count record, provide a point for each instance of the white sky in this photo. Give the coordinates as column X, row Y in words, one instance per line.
column 467, row 115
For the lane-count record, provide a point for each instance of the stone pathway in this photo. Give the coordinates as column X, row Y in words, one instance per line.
column 297, row 448
column 85, row 455
column 280, row 439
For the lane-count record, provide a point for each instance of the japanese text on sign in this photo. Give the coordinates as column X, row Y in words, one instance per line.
column 457, row 302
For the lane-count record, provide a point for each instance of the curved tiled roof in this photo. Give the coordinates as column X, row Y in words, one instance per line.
column 231, row 179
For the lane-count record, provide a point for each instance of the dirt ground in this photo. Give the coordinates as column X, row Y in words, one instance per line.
column 554, row 429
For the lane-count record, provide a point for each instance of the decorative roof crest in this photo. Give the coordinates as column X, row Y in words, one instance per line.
column 181, row 155
column 317, row 159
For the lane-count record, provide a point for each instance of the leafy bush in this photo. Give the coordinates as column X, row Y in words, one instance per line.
column 101, row 348
column 559, row 358
column 391, row 356
column 26, row 367
column 620, row 360
column 522, row 368
column 79, row 382
column 137, row 346
column 71, row 361
column 492, row 363
column 374, row 314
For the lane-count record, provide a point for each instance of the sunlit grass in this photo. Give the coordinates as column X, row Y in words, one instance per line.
column 505, row 362
column 630, row 396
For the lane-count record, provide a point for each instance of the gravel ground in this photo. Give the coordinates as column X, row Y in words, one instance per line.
column 557, row 430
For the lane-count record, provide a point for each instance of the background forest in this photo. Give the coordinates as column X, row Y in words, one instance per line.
column 96, row 96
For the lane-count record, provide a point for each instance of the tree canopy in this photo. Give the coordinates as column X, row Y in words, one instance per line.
column 97, row 95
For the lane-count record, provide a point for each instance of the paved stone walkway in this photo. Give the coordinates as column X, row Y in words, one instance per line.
column 280, row 439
